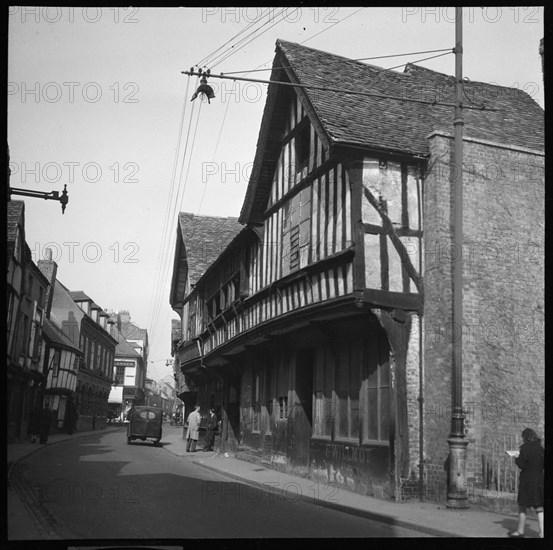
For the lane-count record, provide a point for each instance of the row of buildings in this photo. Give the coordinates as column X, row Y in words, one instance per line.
column 63, row 349
column 319, row 322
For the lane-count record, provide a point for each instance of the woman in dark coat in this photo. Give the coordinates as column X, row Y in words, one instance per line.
column 530, row 488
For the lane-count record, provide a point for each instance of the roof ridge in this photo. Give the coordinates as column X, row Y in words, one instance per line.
column 190, row 214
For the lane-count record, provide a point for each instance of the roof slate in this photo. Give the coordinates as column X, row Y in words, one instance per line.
column 403, row 126
column 132, row 331
column 391, row 125
column 123, row 348
column 205, row 238
column 56, row 336
column 80, row 296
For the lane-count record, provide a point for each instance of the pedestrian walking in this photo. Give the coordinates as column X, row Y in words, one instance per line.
column 45, row 419
column 211, row 429
column 530, row 460
column 33, row 427
column 192, row 433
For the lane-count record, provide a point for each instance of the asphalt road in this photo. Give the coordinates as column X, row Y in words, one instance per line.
column 99, row 487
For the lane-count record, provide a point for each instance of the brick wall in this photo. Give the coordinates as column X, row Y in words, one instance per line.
column 503, row 287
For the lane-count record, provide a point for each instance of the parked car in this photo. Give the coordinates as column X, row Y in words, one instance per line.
column 145, row 424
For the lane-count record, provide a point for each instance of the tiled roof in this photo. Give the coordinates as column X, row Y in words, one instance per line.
column 123, row 348
column 79, row 296
column 132, row 331
column 376, row 123
column 56, row 336
column 404, row 125
column 205, row 238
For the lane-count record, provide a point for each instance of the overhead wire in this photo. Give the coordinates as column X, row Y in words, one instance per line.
column 166, row 258
column 329, row 27
column 206, row 58
column 214, row 59
column 253, row 36
column 167, row 208
column 178, row 205
column 169, row 215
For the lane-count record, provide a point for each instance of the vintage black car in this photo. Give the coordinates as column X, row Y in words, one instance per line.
column 145, row 424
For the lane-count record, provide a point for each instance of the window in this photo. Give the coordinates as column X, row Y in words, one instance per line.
column 56, row 362
column 296, row 231
column 119, row 375
column 282, row 384
column 377, row 390
column 348, row 390
column 256, row 401
column 88, row 344
column 269, row 392
column 302, row 147
column 283, row 407
column 323, row 384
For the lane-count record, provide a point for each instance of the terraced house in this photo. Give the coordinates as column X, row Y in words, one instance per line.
column 320, row 322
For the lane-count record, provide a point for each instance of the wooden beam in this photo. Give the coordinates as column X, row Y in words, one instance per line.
column 392, row 300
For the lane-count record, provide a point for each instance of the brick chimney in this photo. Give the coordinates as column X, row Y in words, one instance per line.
column 49, row 269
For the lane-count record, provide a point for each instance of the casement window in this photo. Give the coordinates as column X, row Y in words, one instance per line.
column 11, row 300
column 269, row 392
column 88, row 354
column 283, row 407
column 348, row 390
column 323, row 418
column 119, row 375
column 281, row 387
column 256, row 401
column 56, row 362
column 376, row 382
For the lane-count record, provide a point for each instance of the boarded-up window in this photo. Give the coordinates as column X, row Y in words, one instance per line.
column 296, row 231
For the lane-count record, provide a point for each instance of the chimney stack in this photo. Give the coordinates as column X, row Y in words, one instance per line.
column 49, row 269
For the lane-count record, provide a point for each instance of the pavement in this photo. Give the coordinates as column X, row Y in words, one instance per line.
column 426, row 517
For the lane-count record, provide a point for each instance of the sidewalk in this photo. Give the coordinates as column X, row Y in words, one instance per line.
column 428, row 517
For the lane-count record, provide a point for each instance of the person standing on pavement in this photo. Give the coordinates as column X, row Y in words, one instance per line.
column 33, row 427
column 211, row 428
column 530, row 488
column 194, row 419
column 45, row 419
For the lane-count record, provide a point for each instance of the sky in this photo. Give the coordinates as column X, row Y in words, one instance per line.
column 97, row 100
